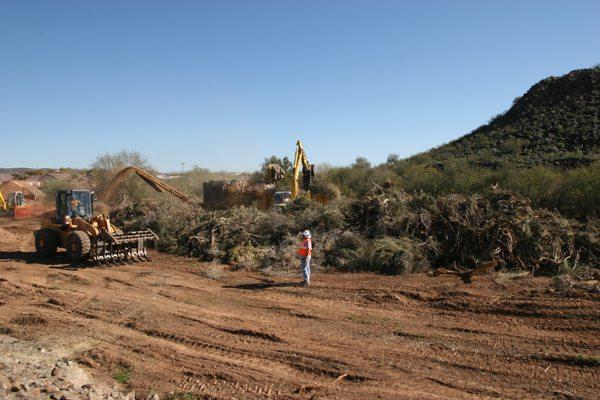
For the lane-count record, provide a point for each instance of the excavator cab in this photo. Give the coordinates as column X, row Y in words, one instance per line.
column 282, row 199
column 301, row 165
column 74, row 204
column 15, row 199
column 11, row 202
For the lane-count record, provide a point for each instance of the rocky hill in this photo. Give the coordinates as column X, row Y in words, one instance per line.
column 557, row 122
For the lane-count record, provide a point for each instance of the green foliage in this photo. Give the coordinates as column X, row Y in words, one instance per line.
column 573, row 192
column 513, row 145
column 358, row 178
column 387, row 230
column 50, row 188
column 555, row 117
column 284, row 163
column 392, row 158
column 390, row 255
column 122, row 374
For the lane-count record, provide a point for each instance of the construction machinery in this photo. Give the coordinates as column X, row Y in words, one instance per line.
column 223, row 194
column 11, row 201
column 74, row 227
column 151, row 180
column 301, row 165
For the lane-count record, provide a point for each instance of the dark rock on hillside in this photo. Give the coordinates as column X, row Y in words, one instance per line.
column 557, row 122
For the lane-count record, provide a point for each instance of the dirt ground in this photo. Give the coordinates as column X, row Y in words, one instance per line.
column 176, row 325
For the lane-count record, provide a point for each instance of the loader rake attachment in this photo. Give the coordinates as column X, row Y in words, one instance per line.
column 122, row 248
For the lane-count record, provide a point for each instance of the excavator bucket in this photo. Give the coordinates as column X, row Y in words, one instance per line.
column 122, row 248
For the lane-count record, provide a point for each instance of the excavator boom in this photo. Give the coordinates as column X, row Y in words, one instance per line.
column 2, row 202
column 151, row 180
column 301, row 164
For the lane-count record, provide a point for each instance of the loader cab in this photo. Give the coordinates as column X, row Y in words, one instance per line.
column 73, row 204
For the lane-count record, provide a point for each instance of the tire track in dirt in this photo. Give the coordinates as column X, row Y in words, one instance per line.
column 396, row 337
column 250, row 359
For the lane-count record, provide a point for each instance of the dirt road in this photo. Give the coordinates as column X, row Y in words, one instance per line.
column 178, row 325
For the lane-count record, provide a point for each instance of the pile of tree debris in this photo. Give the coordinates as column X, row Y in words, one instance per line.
column 388, row 231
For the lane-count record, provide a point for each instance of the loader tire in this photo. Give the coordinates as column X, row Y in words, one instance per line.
column 78, row 246
column 46, row 242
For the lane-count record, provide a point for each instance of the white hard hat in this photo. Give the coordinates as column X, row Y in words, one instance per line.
column 306, row 233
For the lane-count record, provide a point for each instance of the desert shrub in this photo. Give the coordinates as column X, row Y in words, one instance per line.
column 387, row 230
column 426, row 178
column 168, row 218
column 358, row 178
column 342, row 253
column 389, row 255
column 325, row 190
column 579, row 192
column 392, row 256
column 468, row 230
column 573, row 192
column 538, row 184
column 513, row 145
column 51, row 187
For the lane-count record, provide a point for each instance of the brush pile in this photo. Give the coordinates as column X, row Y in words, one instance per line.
column 469, row 231
column 387, row 231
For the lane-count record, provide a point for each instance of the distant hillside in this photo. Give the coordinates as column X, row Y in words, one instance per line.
column 14, row 170
column 557, row 122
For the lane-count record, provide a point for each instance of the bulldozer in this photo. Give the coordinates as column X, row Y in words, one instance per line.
column 74, row 227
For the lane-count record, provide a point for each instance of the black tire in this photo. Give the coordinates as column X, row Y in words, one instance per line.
column 78, row 246
column 46, row 242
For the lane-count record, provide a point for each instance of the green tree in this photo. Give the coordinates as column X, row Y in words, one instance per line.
column 284, row 163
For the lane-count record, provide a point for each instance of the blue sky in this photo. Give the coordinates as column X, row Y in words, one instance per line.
column 223, row 84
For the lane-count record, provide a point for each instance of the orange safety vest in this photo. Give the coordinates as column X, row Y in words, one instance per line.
column 304, row 247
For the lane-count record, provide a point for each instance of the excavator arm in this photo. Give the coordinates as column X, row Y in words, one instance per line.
column 300, row 163
column 2, row 202
column 151, row 180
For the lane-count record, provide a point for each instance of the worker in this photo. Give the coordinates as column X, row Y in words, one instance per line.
column 305, row 253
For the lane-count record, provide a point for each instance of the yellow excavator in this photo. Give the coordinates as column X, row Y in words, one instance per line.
column 11, row 201
column 74, row 227
column 301, row 165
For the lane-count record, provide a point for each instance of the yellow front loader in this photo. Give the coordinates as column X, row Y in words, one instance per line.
column 74, row 227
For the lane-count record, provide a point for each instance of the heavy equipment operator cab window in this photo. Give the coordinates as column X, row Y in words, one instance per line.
column 73, row 203
column 16, row 199
column 282, row 198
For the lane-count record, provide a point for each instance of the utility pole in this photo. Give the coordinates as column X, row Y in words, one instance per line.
column 182, row 167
